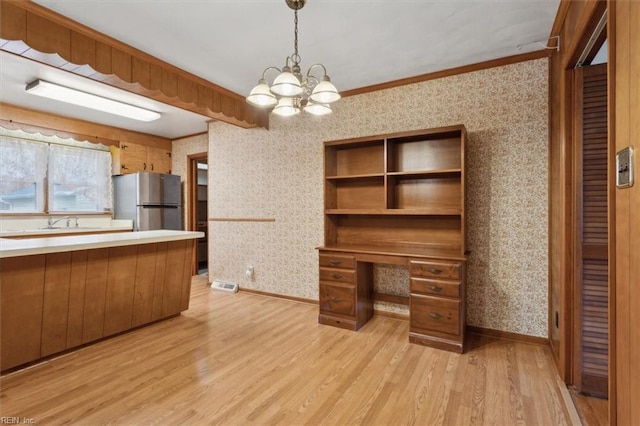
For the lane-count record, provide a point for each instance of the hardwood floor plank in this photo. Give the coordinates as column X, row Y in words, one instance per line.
column 244, row 358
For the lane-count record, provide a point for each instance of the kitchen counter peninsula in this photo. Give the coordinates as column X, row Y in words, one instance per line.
column 59, row 293
column 10, row 247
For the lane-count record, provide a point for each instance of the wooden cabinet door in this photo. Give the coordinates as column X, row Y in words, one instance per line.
column 22, row 288
column 133, row 158
column 144, row 284
column 94, row 294
column 118, row 312
column 159, row 160
column 55, row 310
column 177, row 258
column 77, row 285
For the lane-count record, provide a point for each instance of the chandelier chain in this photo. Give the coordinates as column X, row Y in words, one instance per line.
column 295, row 32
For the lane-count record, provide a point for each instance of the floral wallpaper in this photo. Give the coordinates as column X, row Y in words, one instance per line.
column 180, row 150
column 277, row 174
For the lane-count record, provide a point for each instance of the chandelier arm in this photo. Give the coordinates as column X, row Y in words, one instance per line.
column 310, row 82
column 324, row 70
column 264, row 73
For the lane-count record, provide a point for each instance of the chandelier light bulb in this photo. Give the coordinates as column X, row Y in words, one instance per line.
column 286, row 84
column 286, row 107
column 325, row 92
column 317, row 109
column 261, row 96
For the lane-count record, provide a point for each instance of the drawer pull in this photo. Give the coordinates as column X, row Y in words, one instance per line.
column 434, row 288
column 335, row 262
column 335, row 299
column 336, row 276
column 435, row 270
column 435, row 315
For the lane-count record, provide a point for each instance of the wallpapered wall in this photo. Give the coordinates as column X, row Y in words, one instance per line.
column 278, row 174
column 180, row 150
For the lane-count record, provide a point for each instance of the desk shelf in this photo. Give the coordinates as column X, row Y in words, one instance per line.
column 396, row 198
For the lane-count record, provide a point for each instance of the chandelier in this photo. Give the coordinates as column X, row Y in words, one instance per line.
column 290, row 91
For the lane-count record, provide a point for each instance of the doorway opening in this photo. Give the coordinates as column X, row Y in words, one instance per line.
column 197, row 209
column 592, row 200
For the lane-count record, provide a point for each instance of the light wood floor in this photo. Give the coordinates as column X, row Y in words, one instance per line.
column 247, row 359
column 592, row 411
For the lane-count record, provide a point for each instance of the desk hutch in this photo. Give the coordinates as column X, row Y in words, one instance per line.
column 396, row 199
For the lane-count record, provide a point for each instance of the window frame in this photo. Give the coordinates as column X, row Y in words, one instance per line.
column 45, row 183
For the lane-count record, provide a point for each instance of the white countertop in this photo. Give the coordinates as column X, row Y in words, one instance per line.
column 32, row 246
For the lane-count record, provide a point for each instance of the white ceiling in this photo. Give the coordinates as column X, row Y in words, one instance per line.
column 230, row 42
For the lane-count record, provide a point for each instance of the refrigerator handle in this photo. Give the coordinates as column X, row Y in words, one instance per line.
column 159, row 206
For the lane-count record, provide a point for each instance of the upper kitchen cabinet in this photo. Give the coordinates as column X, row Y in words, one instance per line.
column 131, row 158
column 159, row 160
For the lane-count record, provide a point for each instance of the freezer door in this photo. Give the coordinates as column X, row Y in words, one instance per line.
column 171, row 193
column 159, row 217
column 158, row 189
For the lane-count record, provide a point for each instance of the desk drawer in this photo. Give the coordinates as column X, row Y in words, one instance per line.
column 435, row 314
column 337, row 261
column 338, row 299
column 435, row 287
column 338, row 275
column 432, row 269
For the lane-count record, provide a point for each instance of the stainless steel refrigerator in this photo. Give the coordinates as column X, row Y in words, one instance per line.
column 150, row 200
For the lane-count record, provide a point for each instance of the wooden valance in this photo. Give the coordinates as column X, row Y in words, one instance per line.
column 37, row 33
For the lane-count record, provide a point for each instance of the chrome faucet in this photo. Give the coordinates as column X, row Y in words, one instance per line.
column 51, row 222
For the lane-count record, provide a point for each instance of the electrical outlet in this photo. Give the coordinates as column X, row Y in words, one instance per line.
column 249, row 271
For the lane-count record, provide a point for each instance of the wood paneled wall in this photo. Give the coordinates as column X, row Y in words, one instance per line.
column 35, row 32
column 624, row 36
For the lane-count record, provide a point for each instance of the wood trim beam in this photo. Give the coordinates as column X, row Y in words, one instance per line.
column 242, row 219
column 451, row 72
column 614, row 237
column 37, row 33
column 582, row 32
column 563, row 9
column 30, row 121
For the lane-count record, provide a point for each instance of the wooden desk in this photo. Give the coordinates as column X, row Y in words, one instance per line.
column 437, row 286
column 397, row 198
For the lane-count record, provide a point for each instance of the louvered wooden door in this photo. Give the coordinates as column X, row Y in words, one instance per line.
column 592, row 283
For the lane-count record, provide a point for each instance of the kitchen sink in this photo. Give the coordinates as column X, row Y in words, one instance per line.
column 64, row 228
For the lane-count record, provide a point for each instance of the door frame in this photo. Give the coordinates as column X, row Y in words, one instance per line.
column 567, row 366
column 192, row 199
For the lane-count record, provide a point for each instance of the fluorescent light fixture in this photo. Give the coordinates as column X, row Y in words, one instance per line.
column 88, row 100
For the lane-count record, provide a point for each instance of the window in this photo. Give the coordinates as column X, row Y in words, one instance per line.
column 22, row 175
column 77, row 179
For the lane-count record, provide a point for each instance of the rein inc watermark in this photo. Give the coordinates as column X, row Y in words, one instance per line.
column 7, row 420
